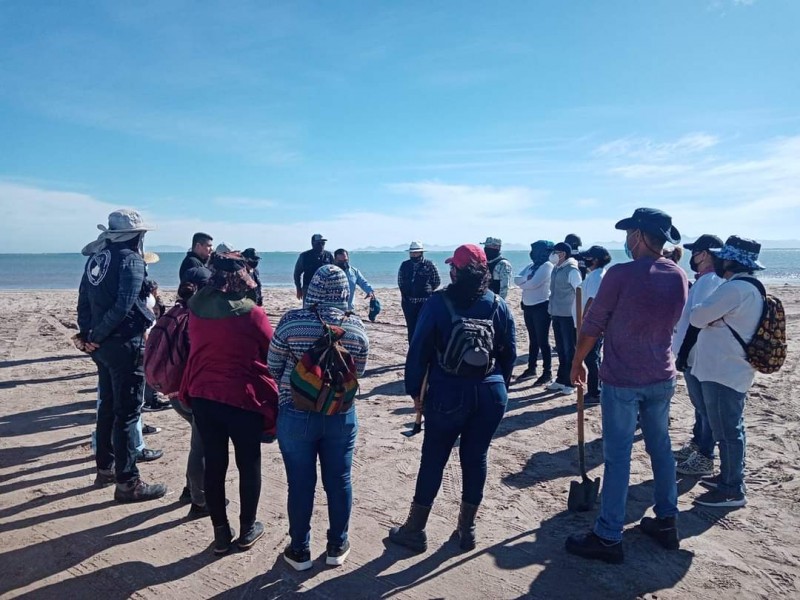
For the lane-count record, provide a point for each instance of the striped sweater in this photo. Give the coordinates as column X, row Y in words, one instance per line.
column 299, row 329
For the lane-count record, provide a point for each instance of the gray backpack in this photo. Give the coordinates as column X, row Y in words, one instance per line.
column 470, row 348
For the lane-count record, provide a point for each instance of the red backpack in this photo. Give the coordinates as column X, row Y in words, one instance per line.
column 167, row 350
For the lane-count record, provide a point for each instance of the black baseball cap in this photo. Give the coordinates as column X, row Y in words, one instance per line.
column 704, row 242
column 317, row 237
column 653, row 221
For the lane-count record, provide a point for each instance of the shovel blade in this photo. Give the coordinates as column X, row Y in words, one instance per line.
column 583, row 494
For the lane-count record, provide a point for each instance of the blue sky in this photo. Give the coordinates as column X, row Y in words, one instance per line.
column 377, row 123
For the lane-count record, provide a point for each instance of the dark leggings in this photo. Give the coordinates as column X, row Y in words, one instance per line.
column 218, row 423
column 537, row 322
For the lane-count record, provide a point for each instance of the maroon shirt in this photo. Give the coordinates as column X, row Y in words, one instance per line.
column 636, row 308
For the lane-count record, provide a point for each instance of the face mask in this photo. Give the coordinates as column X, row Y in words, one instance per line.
column 719, row 267
column 319, row 247
column 344, row 265
column 693, row 264
column 553, row 258
column 492, row 253
column 629, row 250
column 416, row 259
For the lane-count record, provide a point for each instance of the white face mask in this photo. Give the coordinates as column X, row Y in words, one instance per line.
column 553, row 258
column 150, row 301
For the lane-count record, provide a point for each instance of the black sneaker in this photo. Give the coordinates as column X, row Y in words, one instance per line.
column 336, row 555
column 156, row 405
column 223, row 538
column 544, row 378
column 105, row 477
column 664, row 531
column 527, row 374
column 590, row 545
column 148, row 455
column 196, row 511
column 246, row 540
column 300, row 561
column 186, row 496
column 149, row 429
column 717, row 499
column 139, row 491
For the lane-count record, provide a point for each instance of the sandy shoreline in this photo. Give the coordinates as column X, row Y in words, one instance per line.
column 61, row 538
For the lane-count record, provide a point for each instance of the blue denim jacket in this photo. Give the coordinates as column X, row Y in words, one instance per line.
column 433, row 331
column 355, row 278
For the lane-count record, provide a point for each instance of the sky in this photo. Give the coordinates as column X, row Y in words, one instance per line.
column 377, row 123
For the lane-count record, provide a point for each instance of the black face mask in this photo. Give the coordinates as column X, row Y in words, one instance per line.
column 416, row 259
column 491, row 253
column 693, row 264
column 719, row 267
column 344, row 264
column 318, row 246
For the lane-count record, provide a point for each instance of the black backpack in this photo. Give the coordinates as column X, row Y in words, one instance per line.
column 470, row 348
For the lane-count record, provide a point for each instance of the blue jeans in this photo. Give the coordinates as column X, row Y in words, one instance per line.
column 620, row 408
column 701, row 432
column 139, row 440
column 564, row 334
column 725, row 410
column 302, row 437
column 471, row 411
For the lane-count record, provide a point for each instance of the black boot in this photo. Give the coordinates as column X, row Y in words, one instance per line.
column 466, row 526
column 412, row 533
column 223, row 538
column 664, row 531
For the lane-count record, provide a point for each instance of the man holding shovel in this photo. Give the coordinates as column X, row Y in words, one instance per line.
column 636, row 309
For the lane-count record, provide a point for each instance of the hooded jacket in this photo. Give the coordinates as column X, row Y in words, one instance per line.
column 227, row 360
column 329, row 292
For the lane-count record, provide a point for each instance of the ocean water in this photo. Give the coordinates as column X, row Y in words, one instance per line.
column 63, row 271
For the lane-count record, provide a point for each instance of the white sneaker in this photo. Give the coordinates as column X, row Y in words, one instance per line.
column 567, row 390
column 555, row 387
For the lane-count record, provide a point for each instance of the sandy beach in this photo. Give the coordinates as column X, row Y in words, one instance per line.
column 62, row 538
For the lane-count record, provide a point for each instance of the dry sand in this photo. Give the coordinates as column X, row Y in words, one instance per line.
column 61, row 538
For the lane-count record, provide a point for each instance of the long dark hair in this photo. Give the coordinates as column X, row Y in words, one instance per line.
column 471, row 283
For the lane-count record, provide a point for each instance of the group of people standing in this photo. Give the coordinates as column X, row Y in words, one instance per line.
column 237, row 382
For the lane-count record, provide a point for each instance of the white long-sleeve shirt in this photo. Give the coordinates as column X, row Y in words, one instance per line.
column 702, row 289
column 719, row 357
column 535, row 285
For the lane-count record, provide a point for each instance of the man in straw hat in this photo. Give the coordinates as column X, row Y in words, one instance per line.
column 417, row 279
column 112, row 318
column 720, row 364
column 636, row 309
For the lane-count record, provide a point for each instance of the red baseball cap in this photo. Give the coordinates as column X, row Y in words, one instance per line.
column 466, row 255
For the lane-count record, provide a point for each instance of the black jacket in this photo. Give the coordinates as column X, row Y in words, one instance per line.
column 111, row 297
column 418, row 279
column 190, row 261
column 307, row 264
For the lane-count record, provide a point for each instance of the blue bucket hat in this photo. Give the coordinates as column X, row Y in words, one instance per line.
column 740, row 250
column 653, row 221
column 374, row 309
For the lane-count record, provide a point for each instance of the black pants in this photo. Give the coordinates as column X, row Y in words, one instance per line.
column 120, row 383
column 592, row 362
column 219, row 423
column 537, row 322
column 564, row 332
column 411, row 312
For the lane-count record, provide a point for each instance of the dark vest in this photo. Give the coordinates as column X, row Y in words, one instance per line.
column 417, row 283
column 312, row 262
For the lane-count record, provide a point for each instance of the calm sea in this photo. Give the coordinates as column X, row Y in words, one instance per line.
column 63, row 271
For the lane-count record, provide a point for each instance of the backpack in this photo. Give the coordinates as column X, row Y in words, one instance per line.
column 324, row 379
column 766, row 352
column 470, row 348
column 167, row 350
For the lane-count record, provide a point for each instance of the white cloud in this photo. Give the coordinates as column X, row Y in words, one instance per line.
column 646, row 149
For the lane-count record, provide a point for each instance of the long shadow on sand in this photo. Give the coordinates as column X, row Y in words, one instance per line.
column 13, row 456
column 48, row 418
column 4, row 364
column 16, row 382
column 37, row 561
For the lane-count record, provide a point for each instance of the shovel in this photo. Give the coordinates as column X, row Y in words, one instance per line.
column 418, row 419
column 583, row 493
